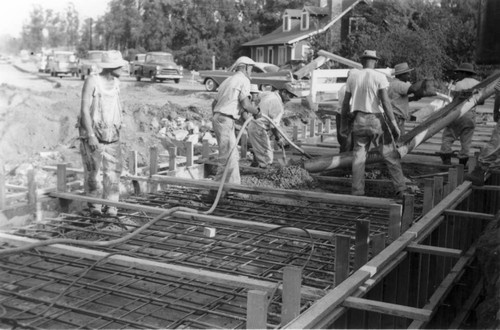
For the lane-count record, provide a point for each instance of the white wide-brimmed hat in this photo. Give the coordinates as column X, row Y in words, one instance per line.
column 370, row 54
column 401, row 68
column 111, row 59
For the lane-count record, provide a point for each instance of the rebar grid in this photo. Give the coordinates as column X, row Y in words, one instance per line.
column 112, row 296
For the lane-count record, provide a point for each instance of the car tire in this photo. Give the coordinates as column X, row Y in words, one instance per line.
column 177, row 81
column 210, row 85
column 138, row 78
column 82, row 77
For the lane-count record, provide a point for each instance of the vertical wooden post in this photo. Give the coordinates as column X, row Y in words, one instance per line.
column 408, row 211
column 189, row 153
column 31, row 187
column 320, row 127
column 452, row 179
column 342, row 248
column 244, row 146
column 2, row 186
column 153, row 168
column 295, row 134
column 257, row 309
column 172, row 161
column 132, row 168
column 62, row 186
column 377, row 243
column 328, row 123
column 437, row 190
column 460, row 174
column 311, row 127
column 428, row 198
column 472, row 163
column 395, row 217
column 361, row 245
column 205, row 153
column 292, row 280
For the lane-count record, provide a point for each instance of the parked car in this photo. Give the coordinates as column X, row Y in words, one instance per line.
column 88, row 64
column 138, row 59
column 265, row 75
column 158, row 66
column 43, row 63
column 62, row 63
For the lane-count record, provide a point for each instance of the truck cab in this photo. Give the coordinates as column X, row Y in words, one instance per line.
column 158, row 66
column 62, row 63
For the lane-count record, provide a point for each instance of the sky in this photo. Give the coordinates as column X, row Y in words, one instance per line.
column 14, row 13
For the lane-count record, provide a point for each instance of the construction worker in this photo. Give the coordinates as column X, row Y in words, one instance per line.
column 368, row 90
column 463, row 127
column 99, row 127
column 232, row 99
column 344, row 142
column 489, row 157
column 271, row 104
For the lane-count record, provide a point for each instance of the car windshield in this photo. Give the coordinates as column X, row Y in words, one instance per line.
column 95, row 56
column 162, row 58
column 63, row 57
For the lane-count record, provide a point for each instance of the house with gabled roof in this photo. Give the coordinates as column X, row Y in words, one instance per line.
column 291, row 40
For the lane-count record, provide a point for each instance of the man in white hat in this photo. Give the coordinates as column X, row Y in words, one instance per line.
column 259, row 130
column 99, row 126
column 368, row 90
column 463, row 127
column 232, row 99
column 399, row 89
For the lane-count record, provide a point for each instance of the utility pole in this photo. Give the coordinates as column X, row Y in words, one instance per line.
column 90, row 36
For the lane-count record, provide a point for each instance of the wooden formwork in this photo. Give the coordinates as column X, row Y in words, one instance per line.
column 416, row 274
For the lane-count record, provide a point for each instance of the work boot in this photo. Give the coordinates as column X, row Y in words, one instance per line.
column 95, row 209
column 446, row 158
column 111, row 211
column 463, row 161
column 476, row 176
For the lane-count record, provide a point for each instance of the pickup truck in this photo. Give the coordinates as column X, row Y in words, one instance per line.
column 62, row 62
column 264, row 75
column 88, row 64
column 158, row 66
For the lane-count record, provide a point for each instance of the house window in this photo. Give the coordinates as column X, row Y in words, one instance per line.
column 260, row 54
column 281, row 55
column 270, row 55
column 356, row 24
column 287, row 23
column 304, row 21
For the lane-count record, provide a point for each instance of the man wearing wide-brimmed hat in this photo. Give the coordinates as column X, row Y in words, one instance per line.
column 399, row 89
column 370, row 102
column 463, row 127
column 99, row 125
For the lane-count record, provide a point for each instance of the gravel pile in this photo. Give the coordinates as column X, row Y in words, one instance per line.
column 289, row 177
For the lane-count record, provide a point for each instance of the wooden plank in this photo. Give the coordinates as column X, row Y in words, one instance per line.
column 237, row 281
column 153, row 168
column 342, row 254
column 403, row 293
column 395, row 217
column 172, row 158
column 387, row 308
column 373, row 320
column 292, row 280
column 437, row 190
column 469, row 215
column 435, row 250
column 62, row 186
column 295, row 133
column 285, row 193
column 243, row 146
column 205, row 152
column 428, row 195
column 189, row 153
column 256, row 309
column 31, row 187
column 361, row 244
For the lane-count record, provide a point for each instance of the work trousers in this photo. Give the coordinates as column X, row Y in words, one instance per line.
column 224, row 128
column 462, row 129
column 108, row 157
column 489, row 158
column 261, row 144
column 367, row 129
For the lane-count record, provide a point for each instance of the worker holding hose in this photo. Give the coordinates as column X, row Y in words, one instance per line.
column 259, row 130
column 232, row 99
column 368, row 90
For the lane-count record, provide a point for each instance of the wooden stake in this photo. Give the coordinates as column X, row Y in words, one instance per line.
column 153, row 168
column 408, row 211
column 361, row 246
column 244, row 146
column 395, row 217
column 257, row 309
column 342, row 248
column 311, row 128
column 304, row 131
column 189, row 153
column 328, row 123
column 295, row 134
column 31, row 187
column 62, row 186
column 437, row 190
column 172, row 161
column 292, row 280
column 205, row 154
column 132, row 168
column 460, row 174
column 428, row 198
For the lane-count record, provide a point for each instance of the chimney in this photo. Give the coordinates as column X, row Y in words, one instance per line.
column 334, row 7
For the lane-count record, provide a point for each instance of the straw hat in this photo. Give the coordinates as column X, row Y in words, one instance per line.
column 254, row 88
column 466, row 67
column 401, row 68
column 111, row 59
column 370, row 54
